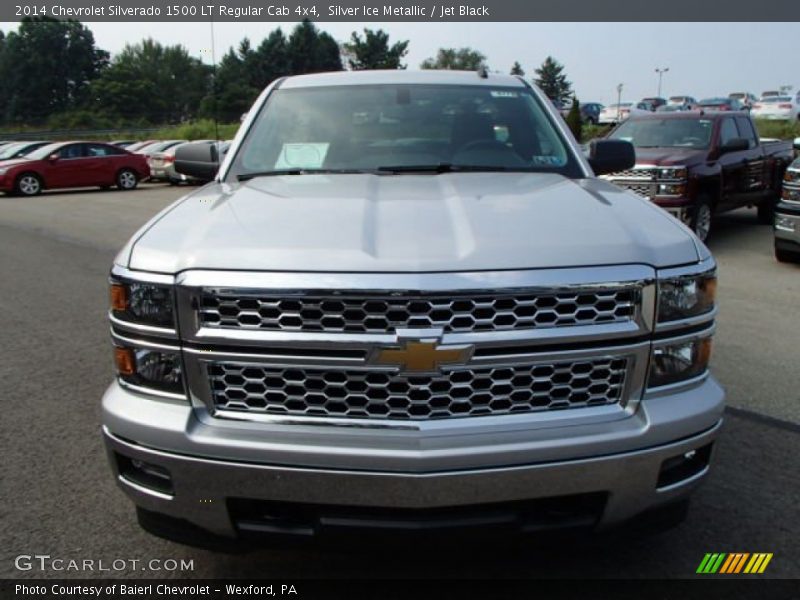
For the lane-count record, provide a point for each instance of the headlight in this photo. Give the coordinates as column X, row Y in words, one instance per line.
column 679, row 361
column 3, row 172
column 686, row 296
column 153, row 369
column 672, row 173
column 671, row 189
column 789, row 175
column 793, row 195
column 144, row 303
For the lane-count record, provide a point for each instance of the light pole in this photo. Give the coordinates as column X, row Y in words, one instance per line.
column 619, row 100
column 660, row 72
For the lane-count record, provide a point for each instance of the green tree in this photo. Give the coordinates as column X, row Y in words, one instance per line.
column 574, row 120
column 271, row 60
column 462, row 59
column 46, row 67
column 516, row 69
column 373, row 51
column 161, row 84
column 232, row 93
column 312, row 51
column 553, row 82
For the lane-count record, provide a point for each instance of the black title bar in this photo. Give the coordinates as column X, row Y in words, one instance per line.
column 402, row 10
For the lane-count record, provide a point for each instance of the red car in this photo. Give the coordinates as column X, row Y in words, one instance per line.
column 73, row 164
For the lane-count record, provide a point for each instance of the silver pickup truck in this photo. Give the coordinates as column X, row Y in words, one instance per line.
column 406, row 303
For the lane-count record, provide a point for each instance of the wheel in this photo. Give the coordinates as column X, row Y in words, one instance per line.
column 127, row 180
column 28, row 184
column 701, row 219
column 786, row 256
column 766, row 212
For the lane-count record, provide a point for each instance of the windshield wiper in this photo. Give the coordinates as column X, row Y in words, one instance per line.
column 440, row 168
column 276, row 172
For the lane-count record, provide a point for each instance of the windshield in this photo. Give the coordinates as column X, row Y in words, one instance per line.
column 44, row 151
column 776, row 99
column 665, row 133
column 401, row 129
column 9, row 151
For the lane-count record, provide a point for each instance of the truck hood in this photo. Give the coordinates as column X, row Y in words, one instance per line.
column 408, row 223
column 668, row 157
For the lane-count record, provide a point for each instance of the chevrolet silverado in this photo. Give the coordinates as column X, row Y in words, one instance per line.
column 697, row 164
column 405, row 302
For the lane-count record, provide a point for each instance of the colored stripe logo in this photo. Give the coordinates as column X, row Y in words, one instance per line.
column 734, row 563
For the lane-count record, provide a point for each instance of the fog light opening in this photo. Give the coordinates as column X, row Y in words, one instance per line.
column 145, row 474
column 683, row 466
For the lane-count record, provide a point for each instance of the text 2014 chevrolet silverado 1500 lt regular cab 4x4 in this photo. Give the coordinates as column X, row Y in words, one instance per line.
column 696, row 164
column 406, row 301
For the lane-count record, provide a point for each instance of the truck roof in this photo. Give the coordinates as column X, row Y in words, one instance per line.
column 395, row 76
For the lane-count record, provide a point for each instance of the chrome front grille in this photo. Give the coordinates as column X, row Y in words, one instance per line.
column 645, row 190
column 461, row 392
column 635, row 173
column 338, row 311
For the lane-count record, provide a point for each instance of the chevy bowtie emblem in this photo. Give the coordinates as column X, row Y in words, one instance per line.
column 420, row 356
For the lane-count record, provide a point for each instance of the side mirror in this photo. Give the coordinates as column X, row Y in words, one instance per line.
column 796, row 144
column 734, row 145
column 52, row 158
column 609, row 156
column 197, row 160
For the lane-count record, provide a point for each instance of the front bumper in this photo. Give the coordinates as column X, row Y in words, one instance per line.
column 621, row 460
column 787, row 226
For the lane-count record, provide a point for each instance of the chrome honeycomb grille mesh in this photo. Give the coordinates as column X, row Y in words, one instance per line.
column 635, row 173
column 644, row 190
column 382, row 313
column 388, row 395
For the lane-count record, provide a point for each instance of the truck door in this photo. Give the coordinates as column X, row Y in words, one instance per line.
column 734, row 167
column 758, row 168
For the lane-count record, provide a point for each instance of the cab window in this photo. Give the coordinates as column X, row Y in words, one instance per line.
column 727, row 131
column 746, row 131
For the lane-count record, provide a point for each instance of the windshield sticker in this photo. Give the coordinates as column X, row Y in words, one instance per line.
column 503, row 94
column 547, row 161
column 302, row 156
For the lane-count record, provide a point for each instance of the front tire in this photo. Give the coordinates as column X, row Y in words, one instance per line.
column 702, row 217
column 127, row 180
column 28, row 184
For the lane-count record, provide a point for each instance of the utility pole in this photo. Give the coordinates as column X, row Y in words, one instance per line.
column 660, row 72
column 619, row 100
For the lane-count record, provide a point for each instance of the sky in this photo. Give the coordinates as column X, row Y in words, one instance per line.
column 704, row 59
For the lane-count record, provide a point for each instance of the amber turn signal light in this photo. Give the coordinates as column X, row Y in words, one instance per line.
column 119, row 297
column 704, row 351
column 125, row 361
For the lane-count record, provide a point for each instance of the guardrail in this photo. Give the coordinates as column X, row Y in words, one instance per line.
column 76, row 134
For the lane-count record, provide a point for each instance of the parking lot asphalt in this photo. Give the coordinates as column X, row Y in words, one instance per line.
column 55, row 362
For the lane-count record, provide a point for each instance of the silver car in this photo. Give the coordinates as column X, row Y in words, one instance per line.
column 406, row 302
column 162, row 164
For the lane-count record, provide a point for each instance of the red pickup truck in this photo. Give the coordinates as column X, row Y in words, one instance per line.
column 696, row 164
